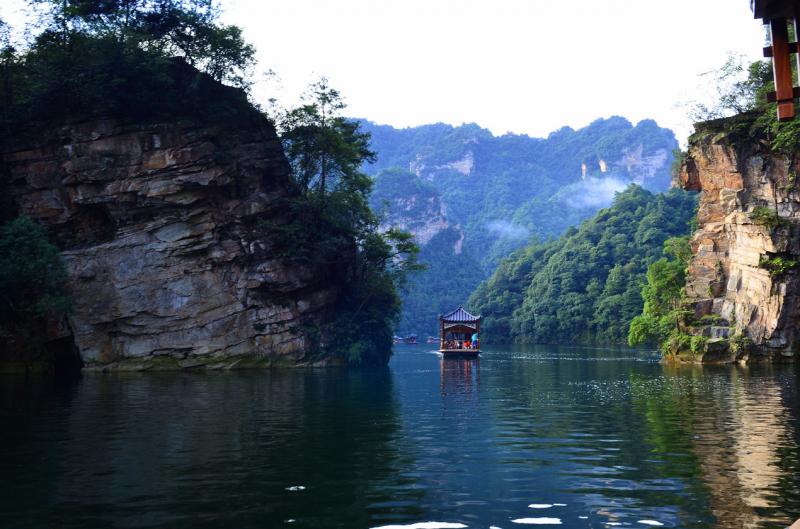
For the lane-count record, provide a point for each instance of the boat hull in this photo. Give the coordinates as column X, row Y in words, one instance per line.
column 460, row 353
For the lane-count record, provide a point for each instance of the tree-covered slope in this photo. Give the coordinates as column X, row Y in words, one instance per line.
column 586, row 285
column 493, row 194
column 504, row 189
column 406, row 201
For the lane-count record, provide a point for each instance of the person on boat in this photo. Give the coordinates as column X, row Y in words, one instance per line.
column 475, row 340
column 467, row 345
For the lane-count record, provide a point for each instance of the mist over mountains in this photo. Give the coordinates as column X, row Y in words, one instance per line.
column 471, row 198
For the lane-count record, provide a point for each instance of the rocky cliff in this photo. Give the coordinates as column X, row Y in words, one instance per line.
column 407, row 202
column 162, row 230
column 743, row 282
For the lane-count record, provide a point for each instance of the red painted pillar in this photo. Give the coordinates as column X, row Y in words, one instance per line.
column 782, row 68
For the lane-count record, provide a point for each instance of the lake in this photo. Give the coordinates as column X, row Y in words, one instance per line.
column 522, row 437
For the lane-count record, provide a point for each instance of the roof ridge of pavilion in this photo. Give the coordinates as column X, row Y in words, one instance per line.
column 460, row 314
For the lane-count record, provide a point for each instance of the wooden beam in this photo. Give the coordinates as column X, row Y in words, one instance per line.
column 772, row 97
column 793, row 48
column 767, row 9
column 782, row 68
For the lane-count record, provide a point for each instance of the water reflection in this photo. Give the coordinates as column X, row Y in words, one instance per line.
column 590, row 438
column 744, row 434
column 193, row 450
column 460, row 376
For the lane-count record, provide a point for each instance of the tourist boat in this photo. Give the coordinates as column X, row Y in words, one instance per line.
column 432, row 339
column 455, row 330
column 411, row 338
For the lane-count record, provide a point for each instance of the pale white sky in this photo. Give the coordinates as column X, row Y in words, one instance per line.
column 525, row 66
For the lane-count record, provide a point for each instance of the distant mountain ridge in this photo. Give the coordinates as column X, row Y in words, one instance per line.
column 478, row 196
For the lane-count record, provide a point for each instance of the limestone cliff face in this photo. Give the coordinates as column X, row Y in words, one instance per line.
column 169, row 262
column 406, row 202
column 748, row 223
column 421, row 215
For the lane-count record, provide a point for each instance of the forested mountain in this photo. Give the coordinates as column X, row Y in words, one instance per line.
column 586, row 285
column 472, row 198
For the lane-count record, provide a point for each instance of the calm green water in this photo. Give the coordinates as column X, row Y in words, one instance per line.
column 519, row 438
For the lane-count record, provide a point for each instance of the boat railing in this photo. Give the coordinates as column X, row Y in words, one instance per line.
column 456, row 344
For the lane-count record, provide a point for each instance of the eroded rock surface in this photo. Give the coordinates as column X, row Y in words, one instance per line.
column 748, row 218
column 166, row 238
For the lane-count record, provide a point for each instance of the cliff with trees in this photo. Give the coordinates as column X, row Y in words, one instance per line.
column 153, row 217
column 732, row 295
column 742, row 288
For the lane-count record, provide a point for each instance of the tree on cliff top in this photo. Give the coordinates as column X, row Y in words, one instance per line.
column 170, row 28
column 739, row 88
column 123, row 57
column 337, row 227
column 325, row 149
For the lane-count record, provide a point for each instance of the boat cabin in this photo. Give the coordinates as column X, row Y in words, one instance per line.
column 779, row 15
column 456, row 330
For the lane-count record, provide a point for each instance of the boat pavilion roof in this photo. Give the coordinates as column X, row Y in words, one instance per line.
column 459, row 316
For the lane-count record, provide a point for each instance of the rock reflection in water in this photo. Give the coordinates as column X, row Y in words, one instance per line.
column 744, row 439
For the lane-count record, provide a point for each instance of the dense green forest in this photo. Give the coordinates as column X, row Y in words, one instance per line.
column 504, row 189
column 472, row 198
column 586, row 285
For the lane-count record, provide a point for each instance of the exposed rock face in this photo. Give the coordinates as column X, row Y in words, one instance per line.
column 169, row 260
column 748, row 219
column 423, row 216
column 404, row 213
column 642, row 166
column 419, row 210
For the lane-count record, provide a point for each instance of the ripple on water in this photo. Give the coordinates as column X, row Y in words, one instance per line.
column 424, row 525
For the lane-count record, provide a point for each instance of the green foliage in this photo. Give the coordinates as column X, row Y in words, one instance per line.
column 777, row 265
column 586, row 286
column 325, row 149
column 402, row 198
column 791, row 180
column 740, row 344
column 127, row 58
column 663, row 316
column 786, row 135
column 32, row 275
column 767, row 217
column 678, row 157
column 441, row 287
column 497, row 193
column 334, row 228
column 533, row 186
column 742, row 100
column 740, row 87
